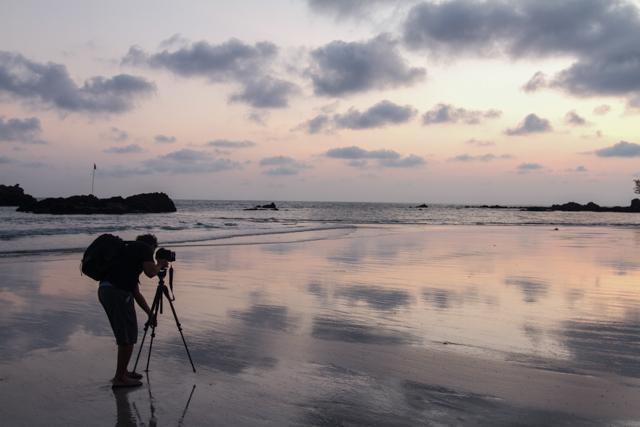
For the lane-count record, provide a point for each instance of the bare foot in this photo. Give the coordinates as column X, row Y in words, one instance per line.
column 125, row 382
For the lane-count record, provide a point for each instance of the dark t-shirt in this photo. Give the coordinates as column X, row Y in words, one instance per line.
column 125, row 274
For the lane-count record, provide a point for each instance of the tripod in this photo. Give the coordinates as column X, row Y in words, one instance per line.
column 157, row 306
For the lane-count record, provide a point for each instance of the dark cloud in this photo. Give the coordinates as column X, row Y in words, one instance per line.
column 26, row 130
column 343, row 8
column 228, row 61
column 188, row 161
column 572, row 118
column 224, row 143
column 133, row 148
column 340, row 68
column 601, row 34
column 538, row 81
column 318, row 124
column 381, row 114
column 412, row 161
column 385, row 158
column 266, row 92
column 356, row 153
column 443, row 113
column 51, row 85
column 601, row 110
column 531, row 124
column 469, row 158
column 528, row 167
column 621, row 149
column 232, row 61
column 284, row 166
column 4, row 160
column 165, row 139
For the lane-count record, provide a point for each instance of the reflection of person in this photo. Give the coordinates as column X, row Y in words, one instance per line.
column 116, row 294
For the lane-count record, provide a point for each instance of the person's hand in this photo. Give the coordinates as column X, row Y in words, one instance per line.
column 163, row 263
column 153, row 322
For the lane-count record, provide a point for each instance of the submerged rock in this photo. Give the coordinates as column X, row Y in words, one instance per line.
column 90, row 204
column 14, row 196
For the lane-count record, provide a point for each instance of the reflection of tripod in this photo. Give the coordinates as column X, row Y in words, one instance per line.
column 153, row 317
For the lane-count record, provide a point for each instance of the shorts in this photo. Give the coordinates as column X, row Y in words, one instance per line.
column 121, row 311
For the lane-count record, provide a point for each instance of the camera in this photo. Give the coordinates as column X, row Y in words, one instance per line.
column 163, row 253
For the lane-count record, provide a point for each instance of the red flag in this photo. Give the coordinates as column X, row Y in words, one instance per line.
column 94, row 166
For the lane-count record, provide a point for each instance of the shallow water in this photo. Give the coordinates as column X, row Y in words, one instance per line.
column 379, row 325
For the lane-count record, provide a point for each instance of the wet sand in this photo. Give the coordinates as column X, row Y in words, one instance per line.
column 383, row 326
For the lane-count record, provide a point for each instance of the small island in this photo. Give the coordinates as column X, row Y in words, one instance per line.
column 269, row 207
column 571, row 207
column 90, row 205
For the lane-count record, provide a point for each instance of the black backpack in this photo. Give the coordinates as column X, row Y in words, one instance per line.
column 101, row 256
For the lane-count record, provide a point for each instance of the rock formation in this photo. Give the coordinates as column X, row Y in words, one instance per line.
column 14, row 196
column 87, row 205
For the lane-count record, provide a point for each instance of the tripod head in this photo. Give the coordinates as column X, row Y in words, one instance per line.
column 161, row 275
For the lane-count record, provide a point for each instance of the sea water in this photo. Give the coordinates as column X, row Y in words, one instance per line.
column 226, row 222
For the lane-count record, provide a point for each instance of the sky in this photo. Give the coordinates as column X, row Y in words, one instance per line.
column 452, row 101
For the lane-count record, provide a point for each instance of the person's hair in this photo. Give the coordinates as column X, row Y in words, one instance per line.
column 150, row 239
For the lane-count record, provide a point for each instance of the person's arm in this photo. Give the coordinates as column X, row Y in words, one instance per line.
column 151, row 270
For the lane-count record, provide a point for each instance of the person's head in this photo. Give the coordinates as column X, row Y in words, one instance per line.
column 149, row 239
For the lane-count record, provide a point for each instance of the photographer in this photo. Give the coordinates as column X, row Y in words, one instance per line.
column 116, row 294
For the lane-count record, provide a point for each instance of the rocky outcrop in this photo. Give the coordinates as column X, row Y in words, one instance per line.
column 269, row 207
column 87, row 205
column 14, row 196
column 589, row 207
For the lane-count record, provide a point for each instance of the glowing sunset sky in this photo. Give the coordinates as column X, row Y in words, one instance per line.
column 510, row 102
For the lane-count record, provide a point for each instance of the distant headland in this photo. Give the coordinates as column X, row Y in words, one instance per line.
column 86, row 205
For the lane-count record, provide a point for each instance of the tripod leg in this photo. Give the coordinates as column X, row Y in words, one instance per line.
column 154, row 311
column 175, row 316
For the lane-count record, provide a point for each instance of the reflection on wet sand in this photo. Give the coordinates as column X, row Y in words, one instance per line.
column 464, row 326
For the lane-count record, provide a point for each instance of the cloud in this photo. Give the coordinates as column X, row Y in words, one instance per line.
column 266, row 92
column 115, row 134
column 26, row 130
column 285, row 166
column 578, row 169
column 601, row 34
column 4, row 160
column 531, row 124
column 344, row 8
column 356, row 153
column 469, row 158
column 408, row 162
column 527, row 167
column 224, row 143
column 318, row 124
column 187, row 161
column 165, row 139
column 51, row 85
column 380, row 115
column 572, row 118
column 479, row 143
column 538, row 81
column 621, row 149
column 232, row 61
column 386, row 158
column 133, row 148
column 601, row 110
column 443, row 113
column 340, row 68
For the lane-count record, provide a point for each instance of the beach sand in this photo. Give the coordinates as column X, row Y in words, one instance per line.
column 380, row 326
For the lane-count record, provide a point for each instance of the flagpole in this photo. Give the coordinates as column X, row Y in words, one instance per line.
column 93, row 178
